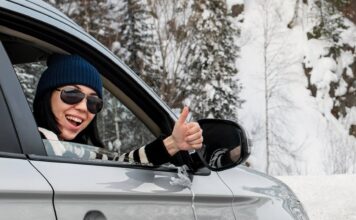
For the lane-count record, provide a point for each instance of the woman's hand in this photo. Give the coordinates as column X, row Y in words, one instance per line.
column 185, row 135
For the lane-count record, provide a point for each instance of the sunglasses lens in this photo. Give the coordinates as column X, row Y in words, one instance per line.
column 94, row 104
column 72, row 96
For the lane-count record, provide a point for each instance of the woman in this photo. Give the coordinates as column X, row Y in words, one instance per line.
column 68, row 98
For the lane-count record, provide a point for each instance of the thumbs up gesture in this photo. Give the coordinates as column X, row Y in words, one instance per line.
column 185, row 135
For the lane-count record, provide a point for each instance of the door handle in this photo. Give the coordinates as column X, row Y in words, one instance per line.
column 94, row 215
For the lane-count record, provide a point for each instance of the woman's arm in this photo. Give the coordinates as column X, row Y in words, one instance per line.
column 185, row 136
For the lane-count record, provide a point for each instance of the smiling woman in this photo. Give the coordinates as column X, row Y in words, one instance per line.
column 71, row 109
column 49, row 108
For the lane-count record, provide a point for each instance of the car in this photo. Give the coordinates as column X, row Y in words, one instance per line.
column 37, row 185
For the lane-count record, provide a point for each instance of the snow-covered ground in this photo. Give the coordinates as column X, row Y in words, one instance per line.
column 325, row 197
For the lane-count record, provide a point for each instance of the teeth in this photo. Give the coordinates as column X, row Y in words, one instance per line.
column 78, row 120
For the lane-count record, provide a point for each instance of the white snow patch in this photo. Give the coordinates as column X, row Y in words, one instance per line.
column 325, row 197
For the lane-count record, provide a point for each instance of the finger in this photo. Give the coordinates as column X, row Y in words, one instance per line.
column 193, row 127
column 196, row 146
column 183, row 115
column 195, row 136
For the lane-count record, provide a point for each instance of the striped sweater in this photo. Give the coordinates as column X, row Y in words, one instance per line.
column 154, row 153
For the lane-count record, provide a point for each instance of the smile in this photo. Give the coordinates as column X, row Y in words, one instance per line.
column 74, row 120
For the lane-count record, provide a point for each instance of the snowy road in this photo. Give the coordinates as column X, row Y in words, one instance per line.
column 325, row 197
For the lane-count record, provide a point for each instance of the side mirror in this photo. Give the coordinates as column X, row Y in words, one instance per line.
column 225, row 144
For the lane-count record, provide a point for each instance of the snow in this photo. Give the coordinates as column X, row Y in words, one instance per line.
column 305, row 138
column 325, row 197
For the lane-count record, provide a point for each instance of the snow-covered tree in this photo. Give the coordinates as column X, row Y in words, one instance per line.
column 93, row 16
column 28, row 75
column 281, row 154
column 172, row 27
column 120, row 129
column 134, row 44
column 212, row 62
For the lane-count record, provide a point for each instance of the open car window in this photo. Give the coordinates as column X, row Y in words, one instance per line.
column 119, row 129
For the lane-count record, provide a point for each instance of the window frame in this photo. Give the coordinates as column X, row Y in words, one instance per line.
column 8, row 139
column 19, row 111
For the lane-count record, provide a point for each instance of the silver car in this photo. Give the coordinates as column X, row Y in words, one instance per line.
column 34, row 184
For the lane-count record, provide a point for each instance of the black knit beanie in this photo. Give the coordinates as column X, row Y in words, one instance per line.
column 68, row 70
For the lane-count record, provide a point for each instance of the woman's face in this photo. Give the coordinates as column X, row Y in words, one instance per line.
column 71, row 118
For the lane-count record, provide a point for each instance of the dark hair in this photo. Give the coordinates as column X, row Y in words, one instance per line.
column 45, row 118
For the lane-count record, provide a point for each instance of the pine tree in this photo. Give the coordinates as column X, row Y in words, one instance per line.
column 135, row 45
column 212, row 62
column 93, row 16
column 29, row 75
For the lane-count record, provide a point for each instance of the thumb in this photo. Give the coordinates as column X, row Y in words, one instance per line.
column 183, row 115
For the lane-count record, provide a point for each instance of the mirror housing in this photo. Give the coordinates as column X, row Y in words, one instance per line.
column 225, row 144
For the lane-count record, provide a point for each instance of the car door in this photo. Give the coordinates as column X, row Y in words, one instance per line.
column 85, row 188
column 114, row 192
column 212, row 198
column 24, row 192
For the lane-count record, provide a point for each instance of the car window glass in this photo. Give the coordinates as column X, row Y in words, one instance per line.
column 28, row 75
column 8, row 140
column 120, row 130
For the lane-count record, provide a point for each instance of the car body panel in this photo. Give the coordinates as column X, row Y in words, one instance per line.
column 117, row 192
column 257, row 195
column 212, row 199
column 24, row 193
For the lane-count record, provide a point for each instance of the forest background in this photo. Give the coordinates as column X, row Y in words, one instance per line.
column 285, row 70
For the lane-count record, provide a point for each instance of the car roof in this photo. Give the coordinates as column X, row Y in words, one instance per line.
column 47, row 14
column 44, row 8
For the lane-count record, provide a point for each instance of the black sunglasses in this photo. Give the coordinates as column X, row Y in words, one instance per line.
column 73, row 96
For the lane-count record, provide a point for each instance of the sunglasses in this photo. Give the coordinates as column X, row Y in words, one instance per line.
column 73, row 96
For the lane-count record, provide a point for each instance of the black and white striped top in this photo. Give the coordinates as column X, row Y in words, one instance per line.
column 154, row 153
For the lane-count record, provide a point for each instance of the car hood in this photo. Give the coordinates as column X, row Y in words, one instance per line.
column 257, row 195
